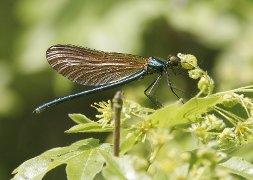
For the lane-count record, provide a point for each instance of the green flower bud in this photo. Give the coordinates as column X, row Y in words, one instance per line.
column 206, row 85
column 188, row 61
column 228, row 140
column 159, row 136
column 195, row 73
column 214, row 122
column 230, row 100
column 228, row 134
column 244, row 130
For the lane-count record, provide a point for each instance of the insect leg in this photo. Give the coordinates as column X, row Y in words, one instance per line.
column 150, row 89
column 170, row 84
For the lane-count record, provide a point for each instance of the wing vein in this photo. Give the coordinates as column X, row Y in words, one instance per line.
column 91, row 67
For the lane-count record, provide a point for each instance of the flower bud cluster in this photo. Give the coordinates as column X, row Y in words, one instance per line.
column 229, row 132
column 206, row 130
column 189, row 62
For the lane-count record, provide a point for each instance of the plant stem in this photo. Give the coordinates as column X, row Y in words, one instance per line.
column 117, row 107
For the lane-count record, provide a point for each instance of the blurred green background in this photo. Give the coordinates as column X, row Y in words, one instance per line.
column 218, row 33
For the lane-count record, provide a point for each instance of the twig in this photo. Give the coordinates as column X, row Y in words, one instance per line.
column 117, row 107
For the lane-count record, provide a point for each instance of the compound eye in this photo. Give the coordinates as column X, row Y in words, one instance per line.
column 174, row 60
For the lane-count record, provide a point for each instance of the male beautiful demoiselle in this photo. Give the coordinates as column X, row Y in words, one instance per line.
column 104, row 70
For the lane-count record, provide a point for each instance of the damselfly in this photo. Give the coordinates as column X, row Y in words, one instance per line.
column 105, row 70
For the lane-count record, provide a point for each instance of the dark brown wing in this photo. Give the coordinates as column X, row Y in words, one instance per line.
column 92, row 67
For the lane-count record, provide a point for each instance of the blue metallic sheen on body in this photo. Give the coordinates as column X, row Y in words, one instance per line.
column 156, row 62
column 91, row 91
column 156, row 65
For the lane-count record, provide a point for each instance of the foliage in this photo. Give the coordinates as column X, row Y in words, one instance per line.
column 154, row 142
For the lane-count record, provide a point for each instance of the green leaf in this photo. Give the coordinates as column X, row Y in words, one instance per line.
column 89, row 127
column 77, row 156
column 176, row 114
column 121, row 168
column 86, row 165
column 79, row 118
column 35, row 168
column 127, row 143
column 239, row 166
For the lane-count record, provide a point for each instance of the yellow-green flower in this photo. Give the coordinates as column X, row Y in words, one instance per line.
column 106, row 112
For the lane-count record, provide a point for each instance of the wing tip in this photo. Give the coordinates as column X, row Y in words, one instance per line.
column 53, row 49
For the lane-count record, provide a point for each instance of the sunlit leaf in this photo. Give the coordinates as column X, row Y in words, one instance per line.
column 79, row 118
column 127, row 143
column 176, row 114
column 239, row 166
column 82, row 153
column 89, row 127
column 121, row 168
column 87, row 164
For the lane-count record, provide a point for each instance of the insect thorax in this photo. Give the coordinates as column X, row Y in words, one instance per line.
column 156, row 65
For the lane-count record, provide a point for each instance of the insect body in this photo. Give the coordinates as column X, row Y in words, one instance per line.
column 104, row 70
